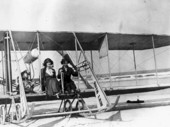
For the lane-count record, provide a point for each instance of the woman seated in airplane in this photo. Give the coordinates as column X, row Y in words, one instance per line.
column 67, row 72
column 49, row 80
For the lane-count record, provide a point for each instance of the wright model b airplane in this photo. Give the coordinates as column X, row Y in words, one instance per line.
column 61, row 41
column 19, row 112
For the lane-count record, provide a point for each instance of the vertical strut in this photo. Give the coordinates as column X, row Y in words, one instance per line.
column 153, row 43
column 23, row 100
column 77, row 63
column 100, row 94
column 108, row 61
column 8, row 73
column 4, row 89
column 134, row 58
column 39, row 58
column 91, row 52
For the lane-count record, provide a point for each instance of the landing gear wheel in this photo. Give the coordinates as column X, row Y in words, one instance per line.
column 80, row 105
column 67, row 106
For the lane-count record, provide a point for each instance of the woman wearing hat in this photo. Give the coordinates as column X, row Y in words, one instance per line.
column 69, row 85
column 49, row 80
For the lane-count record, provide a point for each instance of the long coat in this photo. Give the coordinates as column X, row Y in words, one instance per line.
column 68, row 82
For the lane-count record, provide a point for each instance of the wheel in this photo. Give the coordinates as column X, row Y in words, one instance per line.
column 67, row 106
column 80, row 105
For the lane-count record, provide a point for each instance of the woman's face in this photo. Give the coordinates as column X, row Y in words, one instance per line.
column 49, row 65
column 65, row 63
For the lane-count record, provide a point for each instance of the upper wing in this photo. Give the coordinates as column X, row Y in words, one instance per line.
column 26, row 40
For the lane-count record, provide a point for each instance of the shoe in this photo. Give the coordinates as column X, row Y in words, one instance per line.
column 57, row 95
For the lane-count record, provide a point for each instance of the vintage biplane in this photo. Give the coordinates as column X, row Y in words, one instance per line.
column 61, row 41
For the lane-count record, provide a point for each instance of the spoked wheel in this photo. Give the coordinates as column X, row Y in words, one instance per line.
column 80, row 105
column 3, row 114
column 67, row 106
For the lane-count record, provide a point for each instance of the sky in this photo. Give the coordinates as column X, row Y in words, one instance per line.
column 117, row 16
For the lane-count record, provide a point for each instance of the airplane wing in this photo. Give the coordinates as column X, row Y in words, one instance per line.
column 90, row 41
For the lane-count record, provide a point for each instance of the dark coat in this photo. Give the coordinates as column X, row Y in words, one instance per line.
column 44, row 78
column 67, row 74
column 68, row 82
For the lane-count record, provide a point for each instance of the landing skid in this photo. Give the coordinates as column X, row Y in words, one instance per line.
column 12, row 113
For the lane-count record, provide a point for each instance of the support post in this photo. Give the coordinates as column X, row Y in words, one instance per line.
column 108, row 61
column 134, row 58
column 23, row 100
column 77, row 63
column 39, row 58
column 96, row 83
column 8, row 73
column 91, row 54
column 156, row 69
column 4, row 89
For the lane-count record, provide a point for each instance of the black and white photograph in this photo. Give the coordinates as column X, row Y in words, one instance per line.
column 84, row 63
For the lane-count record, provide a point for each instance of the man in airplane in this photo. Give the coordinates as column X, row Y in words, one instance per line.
column 66, row 72
column 26, row 81
column 49, row 80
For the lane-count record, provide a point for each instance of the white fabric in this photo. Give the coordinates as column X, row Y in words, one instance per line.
column 103, row 52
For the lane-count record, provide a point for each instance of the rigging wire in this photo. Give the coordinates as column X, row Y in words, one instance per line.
column 49, row 38
column 150, row 58
column 31, row 45
column 121, row 57
column 157, row 54
column 20, row 54
column 118, row 62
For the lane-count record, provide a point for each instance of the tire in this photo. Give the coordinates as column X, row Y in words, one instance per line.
column 67, row 108
column 80, row 105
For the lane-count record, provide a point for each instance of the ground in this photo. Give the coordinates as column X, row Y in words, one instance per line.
column 143, row 117
column 146, row 117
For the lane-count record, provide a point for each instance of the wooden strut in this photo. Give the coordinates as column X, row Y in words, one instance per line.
column 91, row 54
column 4, row 90
column 93, row 74
column 8, row 74
column 108, row 61
column 39, row 58
column 62, row 81
column 134, row 58
column 153, row 44
column 77, row 64
column 23, row 100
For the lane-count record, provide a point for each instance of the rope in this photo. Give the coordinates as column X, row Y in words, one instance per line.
column 20, row 54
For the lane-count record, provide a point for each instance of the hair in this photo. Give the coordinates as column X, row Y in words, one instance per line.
column 64, row 60
column 47, row 60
